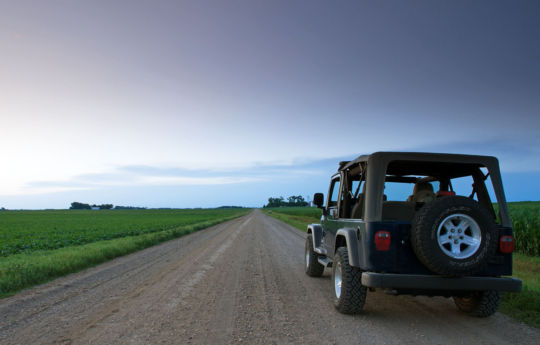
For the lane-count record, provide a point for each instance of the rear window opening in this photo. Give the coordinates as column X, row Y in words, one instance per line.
column 410, row 185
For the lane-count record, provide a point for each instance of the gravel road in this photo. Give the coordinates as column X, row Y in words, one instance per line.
column 240, row 282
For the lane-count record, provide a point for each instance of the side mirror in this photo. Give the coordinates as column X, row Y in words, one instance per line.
column 318, row 199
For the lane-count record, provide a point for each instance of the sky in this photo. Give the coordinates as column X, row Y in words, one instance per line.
column 208, row 103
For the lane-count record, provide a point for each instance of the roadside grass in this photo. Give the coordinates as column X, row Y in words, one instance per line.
column 26, row 269
column 523, row 306
column 298, row 217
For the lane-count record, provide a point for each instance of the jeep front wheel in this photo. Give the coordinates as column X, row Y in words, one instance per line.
column 311, row 263
column 349, row 294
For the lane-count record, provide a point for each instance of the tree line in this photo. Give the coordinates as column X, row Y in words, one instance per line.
column 294, row 200
column 82, row 206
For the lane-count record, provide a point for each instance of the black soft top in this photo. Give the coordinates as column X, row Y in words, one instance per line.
column 440, row 165
column 406, row 163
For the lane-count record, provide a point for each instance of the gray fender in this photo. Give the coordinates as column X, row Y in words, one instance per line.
column 316, row 232
column 352, row 245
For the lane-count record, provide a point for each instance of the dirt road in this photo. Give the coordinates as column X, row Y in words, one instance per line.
column 237, row 282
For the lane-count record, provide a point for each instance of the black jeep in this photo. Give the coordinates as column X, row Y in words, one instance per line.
column 433, row 242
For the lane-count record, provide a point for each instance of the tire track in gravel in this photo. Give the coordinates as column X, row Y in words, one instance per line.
column 159, row 298
column 86, row 297
column 81, row 284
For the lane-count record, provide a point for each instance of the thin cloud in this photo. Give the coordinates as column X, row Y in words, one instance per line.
column 148, row 175
column 80, row 183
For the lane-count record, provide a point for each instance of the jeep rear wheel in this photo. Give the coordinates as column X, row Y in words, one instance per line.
column 311, row 264
column 480, row 304
column 349, row 294
column 453, row 236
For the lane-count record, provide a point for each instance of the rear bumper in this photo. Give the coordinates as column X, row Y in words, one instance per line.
column 429, row 282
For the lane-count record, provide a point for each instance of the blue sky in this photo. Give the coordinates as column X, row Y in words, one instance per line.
column 209, row 103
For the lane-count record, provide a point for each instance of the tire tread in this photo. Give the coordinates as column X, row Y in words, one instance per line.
column 353, row 294
column 314, row 269
column 481, row 304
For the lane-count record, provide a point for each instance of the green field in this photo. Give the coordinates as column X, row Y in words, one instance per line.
column 24, row 231
column 37, row 246
column 526, row 221
column 524, row 306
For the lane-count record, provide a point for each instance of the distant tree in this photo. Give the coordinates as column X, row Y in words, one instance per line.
column 276, row 202
column 300, row 201
column 105, row 207
column 293, row 200
column 79, row 206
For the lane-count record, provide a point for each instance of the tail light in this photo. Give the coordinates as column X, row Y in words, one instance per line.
column 382, row 240
column 446, row 193
column 506, row 244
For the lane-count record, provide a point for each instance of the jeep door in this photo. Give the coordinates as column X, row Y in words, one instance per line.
column 330, row 219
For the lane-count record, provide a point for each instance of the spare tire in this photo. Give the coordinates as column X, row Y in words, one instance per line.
column 453, row 236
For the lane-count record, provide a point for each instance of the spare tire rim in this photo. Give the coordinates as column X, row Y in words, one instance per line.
column 337, row 280
column 459, row 236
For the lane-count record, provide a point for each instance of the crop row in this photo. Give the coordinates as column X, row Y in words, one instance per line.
column 526, row 221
